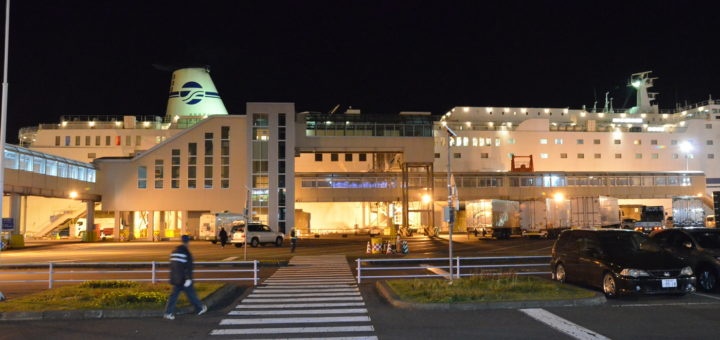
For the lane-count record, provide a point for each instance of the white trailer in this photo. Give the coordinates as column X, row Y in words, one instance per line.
column 210, row 224
column 688, row 212
column 544, row 218
column 594, row 212
column 493, row 218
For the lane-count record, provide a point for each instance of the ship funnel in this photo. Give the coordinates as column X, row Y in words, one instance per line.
column 193, row 96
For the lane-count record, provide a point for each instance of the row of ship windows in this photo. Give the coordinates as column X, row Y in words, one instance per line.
column 478, row 141
column 101, row 140
column 458, row 155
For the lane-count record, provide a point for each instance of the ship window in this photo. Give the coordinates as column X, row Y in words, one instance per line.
column 637, row 142
column 67, row 140
column 437, row 155
column 563, row 155
column 655, row 156
column 617, row 141
column 363, row 157
column 709, row 142
column 348, row 157
column 581, row 141
column 618, row 156
column 333, row 157
column 581, row 155
column 597, row 156
column 318, row 157
column 711, row 156
column 57, row 140
column 708, row 126
column 456, row 155
column 638, row 156
column 653, row 142
column 543, row 155
column 483, row 155
column 558, row 141
column 543, row 141
column 596, row 141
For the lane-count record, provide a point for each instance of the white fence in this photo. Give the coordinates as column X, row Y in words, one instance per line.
column 71, row 272
column 440, row 267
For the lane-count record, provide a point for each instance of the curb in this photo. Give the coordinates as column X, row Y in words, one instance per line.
column 389, row 295
column 215, row 299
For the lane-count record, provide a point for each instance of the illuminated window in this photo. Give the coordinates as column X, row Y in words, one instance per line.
column 558, row 141
column 637, row 142
column 543, row 155
column 543, row 141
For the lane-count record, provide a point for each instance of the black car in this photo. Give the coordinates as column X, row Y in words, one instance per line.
column 699, row 247
column 619, row 262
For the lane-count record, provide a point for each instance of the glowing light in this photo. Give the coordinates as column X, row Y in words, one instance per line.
column 91, row 123
column 64, row 124
column 523, row 110
column 559, row 197
column 466, row 109
column 73, row 194
column 488, row 109
column 426, row 198
column 686, row 147
column 636, row 83
column 565, row 111
column 547, row 110
column 583, row 114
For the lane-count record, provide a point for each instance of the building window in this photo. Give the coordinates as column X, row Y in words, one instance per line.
column 597, row 156
column 673, row 142
column 543, row 141
column 581, row 141
column 208, row 164
column 159, row 173
column 580, row 155
column 655, row 156
column 318, row 157
column 617, row 142
column 437, row 155
column 333, row 157
column 543, row 156
column 57, row 140
column 175, row 169
column 92, row 155
column 711, row 156
column 653, row 142
column 456, row 155
column 128, row 140
column 77, row 140
column 596, row 141
column 563, row 155
column 363, row 157
column 192, row 166
column 224, row 157
column 348, row 157
column 637, row 142
column 142, row 177
column 708, row 126
column 483, row 155
column 709, row 142
column 638, row 156
column 558, row 141
column 675, row 156
column 618, row 156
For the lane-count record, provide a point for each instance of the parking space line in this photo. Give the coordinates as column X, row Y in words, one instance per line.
column 708, row 296
column 562, row 325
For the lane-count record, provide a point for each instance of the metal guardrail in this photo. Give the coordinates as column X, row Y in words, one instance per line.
column 154, row 271
column 439, row 267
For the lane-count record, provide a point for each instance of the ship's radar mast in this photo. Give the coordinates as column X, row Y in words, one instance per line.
column 642, row 82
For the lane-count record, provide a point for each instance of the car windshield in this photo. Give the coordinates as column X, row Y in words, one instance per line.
column 708, row 240
column 627, row 243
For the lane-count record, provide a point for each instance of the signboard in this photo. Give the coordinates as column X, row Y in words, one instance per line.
column 7, row 223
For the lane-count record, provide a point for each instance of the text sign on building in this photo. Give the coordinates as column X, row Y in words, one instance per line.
column 7, row 223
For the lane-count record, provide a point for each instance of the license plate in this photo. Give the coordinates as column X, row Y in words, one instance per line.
column 669, row 283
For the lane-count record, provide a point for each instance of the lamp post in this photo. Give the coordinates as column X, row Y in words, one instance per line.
column 450, row 208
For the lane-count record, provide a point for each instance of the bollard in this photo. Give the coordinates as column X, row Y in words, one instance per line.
column 405, row 247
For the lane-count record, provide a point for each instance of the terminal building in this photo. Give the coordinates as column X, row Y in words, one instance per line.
column 350, row 171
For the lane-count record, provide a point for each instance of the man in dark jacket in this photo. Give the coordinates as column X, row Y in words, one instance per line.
column 223, row 235
column 181, row 270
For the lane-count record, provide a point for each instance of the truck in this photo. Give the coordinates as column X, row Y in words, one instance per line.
column 211, row 223
column 104, row 227
column 594, row 212
column 492, row 218
column 688, row 212
column 652, row 218
column 544, row 218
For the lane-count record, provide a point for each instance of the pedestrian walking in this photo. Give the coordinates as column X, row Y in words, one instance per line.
column 293, row 240
column 181, row 278
column 223, row 235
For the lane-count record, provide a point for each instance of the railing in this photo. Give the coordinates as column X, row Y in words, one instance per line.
column 462, row 267
column 131, row 271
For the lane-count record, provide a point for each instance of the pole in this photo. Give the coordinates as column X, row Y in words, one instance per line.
column 3, row 113
column 451, row 213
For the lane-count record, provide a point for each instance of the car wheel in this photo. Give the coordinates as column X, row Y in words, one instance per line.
column 707, row 279
column 278, row 241
column 560, row 273
column 608, row 285
column 238, row 245
column 255, row 242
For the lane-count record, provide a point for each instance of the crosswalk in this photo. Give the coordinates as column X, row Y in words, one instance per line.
column 314, row 297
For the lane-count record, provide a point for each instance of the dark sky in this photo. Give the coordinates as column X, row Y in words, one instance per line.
column 92, row 57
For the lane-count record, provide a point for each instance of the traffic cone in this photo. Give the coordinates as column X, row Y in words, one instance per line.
column 389, row 250
column 369, row 249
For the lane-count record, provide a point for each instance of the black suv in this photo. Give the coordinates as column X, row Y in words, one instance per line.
column 619, row 262
column 700, row 247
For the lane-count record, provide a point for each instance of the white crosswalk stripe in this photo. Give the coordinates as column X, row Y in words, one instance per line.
column 315, row 297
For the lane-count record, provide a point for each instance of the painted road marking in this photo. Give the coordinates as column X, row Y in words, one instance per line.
column 562, row 325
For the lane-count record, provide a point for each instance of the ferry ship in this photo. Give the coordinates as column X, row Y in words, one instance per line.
column 328, row 172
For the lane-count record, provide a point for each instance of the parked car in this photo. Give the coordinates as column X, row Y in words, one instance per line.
column 700, row 247
column 257, row 234
column 619, row 262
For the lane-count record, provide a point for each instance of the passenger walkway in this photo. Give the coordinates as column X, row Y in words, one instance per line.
column 313, row 297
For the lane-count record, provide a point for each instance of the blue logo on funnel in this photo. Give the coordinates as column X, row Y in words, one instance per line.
column 192, row 93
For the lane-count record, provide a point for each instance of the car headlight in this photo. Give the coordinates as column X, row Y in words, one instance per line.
column 633, row 272
column 686, row 271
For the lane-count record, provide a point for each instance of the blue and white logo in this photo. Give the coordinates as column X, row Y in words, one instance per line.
column 192, row 93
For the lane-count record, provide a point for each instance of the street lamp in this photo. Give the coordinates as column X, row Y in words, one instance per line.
column 686, row 148
column 450, row 212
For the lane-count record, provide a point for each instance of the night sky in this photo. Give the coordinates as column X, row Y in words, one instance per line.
column 94, row 57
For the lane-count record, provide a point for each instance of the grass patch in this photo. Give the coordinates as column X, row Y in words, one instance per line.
column 102, row 295
column 490, row 288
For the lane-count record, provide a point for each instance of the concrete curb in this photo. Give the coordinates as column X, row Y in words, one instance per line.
column 389, row 295
column 213, row 300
